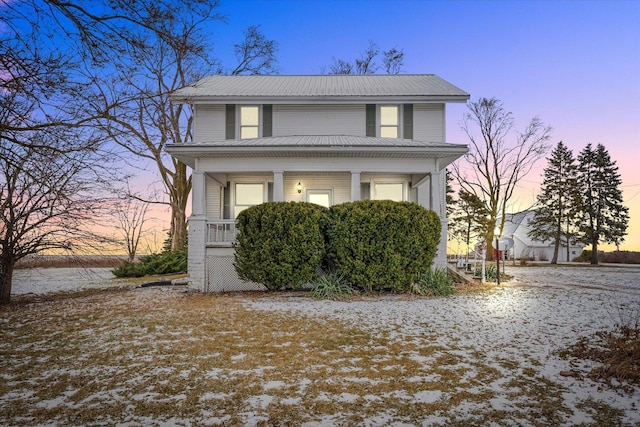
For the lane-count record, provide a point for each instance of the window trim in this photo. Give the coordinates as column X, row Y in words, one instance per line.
column 374, row 183
column 242, row 126
column 233, row 195
column 397, row 126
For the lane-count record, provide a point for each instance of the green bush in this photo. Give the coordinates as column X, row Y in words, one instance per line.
column 165, row 262
column 490, row 273
column 380, row 244
column 435, row 282
column 331, row 286
column 280, row 244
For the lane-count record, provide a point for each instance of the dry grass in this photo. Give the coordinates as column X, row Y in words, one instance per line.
column 616, row 352
column 150, row 356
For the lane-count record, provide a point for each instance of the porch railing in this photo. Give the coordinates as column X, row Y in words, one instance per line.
column 221, row 233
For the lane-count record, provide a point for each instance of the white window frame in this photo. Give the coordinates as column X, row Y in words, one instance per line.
column 313, row 191
column 374, row 184
column 234, row 195
column 242, row 126
column 382, row 125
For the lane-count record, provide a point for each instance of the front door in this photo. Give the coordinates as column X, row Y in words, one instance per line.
column 320, row 197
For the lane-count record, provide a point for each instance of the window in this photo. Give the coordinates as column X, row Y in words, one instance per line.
column 247, row 195
column 249, row 122
column 389, row 191
column 320, row 197
column 389, row 121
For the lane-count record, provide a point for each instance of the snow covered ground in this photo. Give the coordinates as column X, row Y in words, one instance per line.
column 47, row 280
column 613, row 277
column 503, row 343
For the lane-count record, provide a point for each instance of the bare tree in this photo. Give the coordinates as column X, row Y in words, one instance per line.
column 134, row 55
column 392, row 61
column 49, row 201
column 494, row 165
column 131, row 214
column 144, row 120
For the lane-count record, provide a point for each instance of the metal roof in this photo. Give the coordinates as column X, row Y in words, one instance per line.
column 414, row 86
column 329, row 146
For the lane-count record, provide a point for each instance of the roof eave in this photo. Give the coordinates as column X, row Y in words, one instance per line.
column 417, row 99
column 188, row 153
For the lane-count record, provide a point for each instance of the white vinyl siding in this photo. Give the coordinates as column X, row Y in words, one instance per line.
column 428, row 122
column 318, row 120
column 213, row 199
column 209, row 124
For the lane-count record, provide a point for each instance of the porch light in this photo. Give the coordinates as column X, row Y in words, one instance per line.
column 299, row 188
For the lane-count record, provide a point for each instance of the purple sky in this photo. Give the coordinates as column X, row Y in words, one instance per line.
column 575, row 64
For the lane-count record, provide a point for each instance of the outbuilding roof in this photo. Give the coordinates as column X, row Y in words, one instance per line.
column 274, row 88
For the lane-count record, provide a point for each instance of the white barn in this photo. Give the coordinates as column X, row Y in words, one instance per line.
column 517, row 227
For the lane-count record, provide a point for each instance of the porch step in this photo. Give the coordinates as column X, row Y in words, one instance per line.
column 459, row 276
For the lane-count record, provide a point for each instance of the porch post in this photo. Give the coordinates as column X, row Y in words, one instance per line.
column 197, row 193
column 437, row 205
column 435, row 193
column 196, row 262
column 355, row 186
column 278, row 186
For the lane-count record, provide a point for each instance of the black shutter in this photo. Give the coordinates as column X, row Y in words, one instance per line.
column 365, row 191
column 408, row 121
column 226, row 202
column 269, row 191
column 267, row 120
column 230, row 122
column 371, row 120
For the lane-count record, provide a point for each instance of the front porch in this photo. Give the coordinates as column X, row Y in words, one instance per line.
column 212, row 227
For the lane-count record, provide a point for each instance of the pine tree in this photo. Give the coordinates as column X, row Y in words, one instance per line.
column 556, row 202
column 470, row 217
column 602, row 215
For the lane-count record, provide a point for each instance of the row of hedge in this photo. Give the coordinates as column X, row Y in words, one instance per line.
column 377, row 245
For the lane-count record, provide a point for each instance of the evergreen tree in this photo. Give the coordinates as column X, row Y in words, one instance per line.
column 602, row 215
column 470, row 218
column 450, row 192
column 556, row 201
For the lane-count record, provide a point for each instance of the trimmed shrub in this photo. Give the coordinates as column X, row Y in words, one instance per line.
column 381, row 245
column 280, row 244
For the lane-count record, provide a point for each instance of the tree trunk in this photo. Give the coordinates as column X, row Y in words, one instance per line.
column 594, row 251
column 178, row 227
column 556, row 247
column 6, row 278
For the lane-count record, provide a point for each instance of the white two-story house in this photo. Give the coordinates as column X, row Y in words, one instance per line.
column 325, row 139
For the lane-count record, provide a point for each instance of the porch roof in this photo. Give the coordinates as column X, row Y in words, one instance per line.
column 321, row 88
column 318, row 146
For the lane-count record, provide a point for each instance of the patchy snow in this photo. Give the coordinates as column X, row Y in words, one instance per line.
column 512, row 329
column 523, row 325
column 47, row 280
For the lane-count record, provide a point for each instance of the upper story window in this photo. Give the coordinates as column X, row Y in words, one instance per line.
column 249, row 121
column 389, row 121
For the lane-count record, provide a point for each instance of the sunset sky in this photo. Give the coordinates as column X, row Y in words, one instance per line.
column 575, row 64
